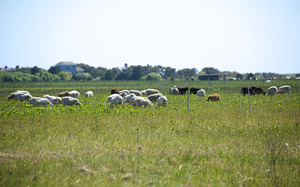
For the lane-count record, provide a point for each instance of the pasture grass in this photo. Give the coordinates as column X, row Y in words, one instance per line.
column 212, row 143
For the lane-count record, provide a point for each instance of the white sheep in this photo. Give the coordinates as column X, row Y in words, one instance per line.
column 162, row 101
column 37, row 101
column 272, row 90
column 136, row 92
column 123, row 93
column 201, row 93
column 116, row 99
column 154, row 97
column 109, row 98
column 74, row 93
column 284, row 89
column 67, row 100
column 174, row 91
column 143, row 92
column 89, row 94
column 19, row 95
column 129, row 98
column 150, row 91
column 141, row 101
column 53, row 99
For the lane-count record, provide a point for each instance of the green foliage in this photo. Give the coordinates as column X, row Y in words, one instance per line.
column 82, row 76
column 212, row 144
column 54, row 70
column 152, row 77
column 65, row 76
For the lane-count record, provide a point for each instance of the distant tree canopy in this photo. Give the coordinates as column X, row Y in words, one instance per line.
column 210, row 70
column 54, row 70
column 154, row 73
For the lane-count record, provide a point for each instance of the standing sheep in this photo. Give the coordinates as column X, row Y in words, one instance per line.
column 19, row 95
column 272, row 90
column 115, row 99
column 162, row 101
column 284, row 89
column 70, row 101
column 150, row 91
column 37, row 101
column 54, row 100
column 136, row 92
column 213, row 97
column 74, row 93
column 201, row 93
column 129, row 98
column 154, row 97
column 141, row 101
column 89, row 94
column 63, row 94
column 174, row 91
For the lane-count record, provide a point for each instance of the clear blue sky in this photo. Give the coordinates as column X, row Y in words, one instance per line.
column 230, row 35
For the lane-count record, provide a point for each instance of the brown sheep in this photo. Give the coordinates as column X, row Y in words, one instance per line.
column 213, row 97
column 114, row 91
column 63, row 94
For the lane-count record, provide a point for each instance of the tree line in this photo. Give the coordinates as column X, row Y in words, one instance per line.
column 154, row 73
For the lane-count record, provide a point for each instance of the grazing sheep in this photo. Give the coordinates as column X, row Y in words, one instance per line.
column 174, row 91
column 37, row 101
column 154, row 97
column 129, row 98
column 143, row 92
column 63, row 94
column 118, row 100
column 74, row 93
column 272, row 90
column 114, row 91
column 123, row 93
column 19, row 95
column 201, row 93
column 213, row 97
column 284, row 89
column 109, row 98
column 141, row 101
column 70, row 101
column 151, row 91
column 54, row 100
column 136, row 92
column 182, row 91
column 89, row 94
column 162, row 101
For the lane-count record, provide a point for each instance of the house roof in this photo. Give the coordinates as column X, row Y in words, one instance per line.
column 66, row 63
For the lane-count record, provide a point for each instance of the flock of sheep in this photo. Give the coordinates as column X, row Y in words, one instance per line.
column 133, row 97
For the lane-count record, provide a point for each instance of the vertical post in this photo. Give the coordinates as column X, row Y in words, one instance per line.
column 188, row 96
column 285, row 99
column 249, row 97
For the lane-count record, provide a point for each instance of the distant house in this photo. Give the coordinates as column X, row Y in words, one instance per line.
column 212, row 77
column 70, row 67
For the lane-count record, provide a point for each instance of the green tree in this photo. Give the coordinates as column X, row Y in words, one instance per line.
column 210, row 70
column 65, row 76
column 109, row 75
column 34, row 70
column 54, row 70
column 152, row 77
column 239, row 76
column 137, row 73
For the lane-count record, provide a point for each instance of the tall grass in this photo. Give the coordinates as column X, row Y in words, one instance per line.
column 214, row 143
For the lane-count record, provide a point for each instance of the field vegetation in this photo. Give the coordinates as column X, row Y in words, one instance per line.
column 190, row 142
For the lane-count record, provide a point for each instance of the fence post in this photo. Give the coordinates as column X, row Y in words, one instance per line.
column 249, row 97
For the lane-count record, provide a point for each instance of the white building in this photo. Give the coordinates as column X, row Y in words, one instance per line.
column 70, row 67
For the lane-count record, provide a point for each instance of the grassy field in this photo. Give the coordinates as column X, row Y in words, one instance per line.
column 192, row 144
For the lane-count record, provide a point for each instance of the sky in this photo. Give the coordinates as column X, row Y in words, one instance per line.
column 229, row 35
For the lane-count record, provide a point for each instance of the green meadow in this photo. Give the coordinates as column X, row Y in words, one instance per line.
column 239, row 141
